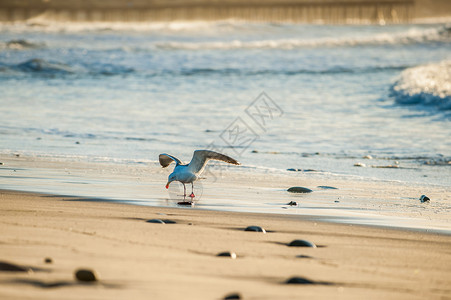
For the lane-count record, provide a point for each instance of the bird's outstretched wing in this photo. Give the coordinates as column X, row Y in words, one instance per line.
column 166, row 160
column 200, row 158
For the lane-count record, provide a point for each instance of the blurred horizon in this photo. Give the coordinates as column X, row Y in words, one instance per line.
column 293, row 11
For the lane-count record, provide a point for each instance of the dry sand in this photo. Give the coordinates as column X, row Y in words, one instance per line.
column 140, row 260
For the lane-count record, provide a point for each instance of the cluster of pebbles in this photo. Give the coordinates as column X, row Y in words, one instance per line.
column 81, row 275
column 261, row 230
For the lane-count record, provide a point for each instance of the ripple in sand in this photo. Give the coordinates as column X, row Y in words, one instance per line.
column 302, row 243
column 232, row 255
column 86, row 275
column 255, row 229
column 9, row 267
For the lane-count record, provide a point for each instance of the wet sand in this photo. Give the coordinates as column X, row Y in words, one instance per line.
column 140, row 260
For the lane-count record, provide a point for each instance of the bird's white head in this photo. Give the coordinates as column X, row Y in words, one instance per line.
column 171, row 178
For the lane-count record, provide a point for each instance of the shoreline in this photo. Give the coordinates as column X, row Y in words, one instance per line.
column 138, row 259
column 349, row 200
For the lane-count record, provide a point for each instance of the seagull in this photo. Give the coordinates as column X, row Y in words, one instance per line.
column 188, row 173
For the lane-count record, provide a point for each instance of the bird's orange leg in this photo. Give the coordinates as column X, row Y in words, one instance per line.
column 192, row 191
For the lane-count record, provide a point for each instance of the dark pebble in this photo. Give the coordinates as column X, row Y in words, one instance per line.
column 156, row 221
column 255, row 228
column 303, row 256
column 325, row 187
column 85, row 275
column 8, row 267
column 294, row 170
column 292, row 203
column 301, row 243
column 299, row 189
column 232, row 296
column 232, row 255
column 336, row 201
column 77, row 143
column 48, row 260
column 424, row 198
column 254, row 151
column 299, row 280
column 169, row 221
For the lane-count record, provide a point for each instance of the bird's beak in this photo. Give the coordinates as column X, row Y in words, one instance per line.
column 167, row 184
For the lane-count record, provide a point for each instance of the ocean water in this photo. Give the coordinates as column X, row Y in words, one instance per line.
column 370, row 102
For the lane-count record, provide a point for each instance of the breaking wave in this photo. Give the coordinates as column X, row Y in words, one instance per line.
column 43, row 67
column 20, row 44
column 438, row 34
column 426, row 85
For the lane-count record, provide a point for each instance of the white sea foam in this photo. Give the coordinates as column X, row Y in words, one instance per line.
column 414, row 35
column 45, row 25
column 426, row 85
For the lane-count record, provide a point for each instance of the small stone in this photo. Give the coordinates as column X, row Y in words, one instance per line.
column 336, row 201
column 326, row 187
column 299, row 280
column 386, row 167
column 166, row 221
column 292, row 170
column 302, row 243
column 1, row 164
column 303, row 256
column 368, row 157
column 424, row 198
column 86, row 275
column 232, row 255
column 156, row 221
column 232, row 296
column 254, row 151
column 299, row 189
column 292, row 203
column 359, row 165
column 255, row 229
column 77, row 143
column 48, row 260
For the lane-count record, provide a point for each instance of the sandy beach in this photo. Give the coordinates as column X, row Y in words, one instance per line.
column 135, row 259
